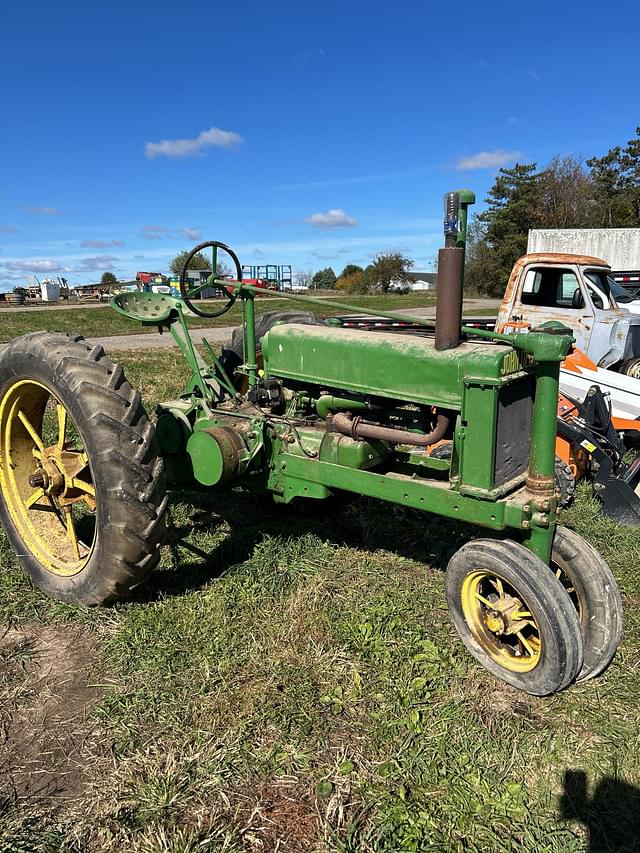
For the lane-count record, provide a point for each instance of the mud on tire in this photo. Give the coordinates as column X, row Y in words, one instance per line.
column 125, row 468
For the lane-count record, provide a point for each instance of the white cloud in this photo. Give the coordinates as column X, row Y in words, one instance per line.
column 178, row 148
column 40, row 265
column 42, row 211
column 97, row 262
column 189, row 233
column 100, row 244
column 50, row 265
column 161, row 232
column 488, row 159
column 334, row 218
column 154, row 232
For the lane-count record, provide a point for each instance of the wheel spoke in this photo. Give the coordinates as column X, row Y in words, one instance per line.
column 525, row 643
column 522, row 614
column 71, row 532
column 61, row 412
column 35, row 497
column 87, row 488
column 485, row 601
column 26, row 423
column 497, row 583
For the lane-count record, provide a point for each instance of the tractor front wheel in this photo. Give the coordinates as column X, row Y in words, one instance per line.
column 514, row 616
column 595, row 595
column 82, row 494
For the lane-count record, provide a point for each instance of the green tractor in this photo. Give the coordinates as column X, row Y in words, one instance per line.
column 452, row 421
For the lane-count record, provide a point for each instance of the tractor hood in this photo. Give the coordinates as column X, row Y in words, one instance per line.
column 383, row 364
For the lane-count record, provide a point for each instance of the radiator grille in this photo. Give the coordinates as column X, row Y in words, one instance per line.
column 513, row 431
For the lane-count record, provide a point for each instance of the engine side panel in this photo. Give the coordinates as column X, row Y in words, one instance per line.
column 399, row 367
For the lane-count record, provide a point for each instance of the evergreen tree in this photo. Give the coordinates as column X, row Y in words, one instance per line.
column 324, row 279
column 616, row 186
column 513, row 208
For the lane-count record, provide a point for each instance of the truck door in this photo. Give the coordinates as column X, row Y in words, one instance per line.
column 554, row 293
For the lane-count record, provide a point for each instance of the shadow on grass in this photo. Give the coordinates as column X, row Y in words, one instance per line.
column 359, row 523
column 611, row 814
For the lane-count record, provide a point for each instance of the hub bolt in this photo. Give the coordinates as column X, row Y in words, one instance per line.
column 39, row 479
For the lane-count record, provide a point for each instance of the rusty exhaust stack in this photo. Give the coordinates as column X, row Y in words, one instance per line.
column 451, row 270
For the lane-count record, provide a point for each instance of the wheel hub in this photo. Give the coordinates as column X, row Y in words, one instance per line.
column 58, row 475
column 501, row 621
column 504, row 617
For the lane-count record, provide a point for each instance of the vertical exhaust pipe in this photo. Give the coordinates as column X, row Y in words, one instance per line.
column 451, row 270
column 449, row 299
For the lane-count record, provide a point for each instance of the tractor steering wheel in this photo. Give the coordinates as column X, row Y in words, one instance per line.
column 188, row 293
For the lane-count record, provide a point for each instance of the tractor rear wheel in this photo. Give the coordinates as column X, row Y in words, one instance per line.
column 595, row 595
column 82, row 493
column 233, row 350
column 514, row 616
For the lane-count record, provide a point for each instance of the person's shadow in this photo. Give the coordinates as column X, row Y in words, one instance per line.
column 611, row 814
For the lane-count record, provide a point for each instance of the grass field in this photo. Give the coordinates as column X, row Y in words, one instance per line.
column 292, row 683
column 102, row 321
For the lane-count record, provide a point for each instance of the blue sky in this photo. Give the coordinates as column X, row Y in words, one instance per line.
column 311, row 134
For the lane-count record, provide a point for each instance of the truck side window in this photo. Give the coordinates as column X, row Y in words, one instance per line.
column 567, row 286
column 553, row 288
column 531, row 287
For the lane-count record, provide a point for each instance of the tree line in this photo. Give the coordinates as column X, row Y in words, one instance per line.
column 387, row 270
column 604, row 193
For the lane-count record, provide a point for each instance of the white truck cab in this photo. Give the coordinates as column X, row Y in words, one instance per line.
column 578, row 291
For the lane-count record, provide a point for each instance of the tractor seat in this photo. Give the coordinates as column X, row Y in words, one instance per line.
column 152, row 308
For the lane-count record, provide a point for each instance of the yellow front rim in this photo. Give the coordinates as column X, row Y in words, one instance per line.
column 45, row 478
column 501, row 621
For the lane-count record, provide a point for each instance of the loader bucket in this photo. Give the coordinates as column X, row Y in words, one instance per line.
column 620, row 502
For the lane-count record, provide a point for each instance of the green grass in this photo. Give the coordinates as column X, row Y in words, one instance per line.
column 293, row 683
column 102, row 321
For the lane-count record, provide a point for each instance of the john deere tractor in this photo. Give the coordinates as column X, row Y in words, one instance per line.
column 450, row 421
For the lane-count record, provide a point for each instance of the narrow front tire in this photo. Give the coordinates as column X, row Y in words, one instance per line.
column 514, row 616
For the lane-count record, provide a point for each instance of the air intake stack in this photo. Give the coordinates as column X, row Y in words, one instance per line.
column 451, row 269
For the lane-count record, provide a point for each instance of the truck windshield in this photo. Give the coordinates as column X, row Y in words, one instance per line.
column 608, row 286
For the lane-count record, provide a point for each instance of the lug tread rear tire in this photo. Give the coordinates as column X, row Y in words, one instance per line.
column 127, row 469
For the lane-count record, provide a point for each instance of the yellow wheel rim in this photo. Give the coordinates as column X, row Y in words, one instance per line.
column 45, row 478
column 501, row 621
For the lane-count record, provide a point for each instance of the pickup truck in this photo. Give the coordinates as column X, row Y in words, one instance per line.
column 620, row 246
column 578, row 291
